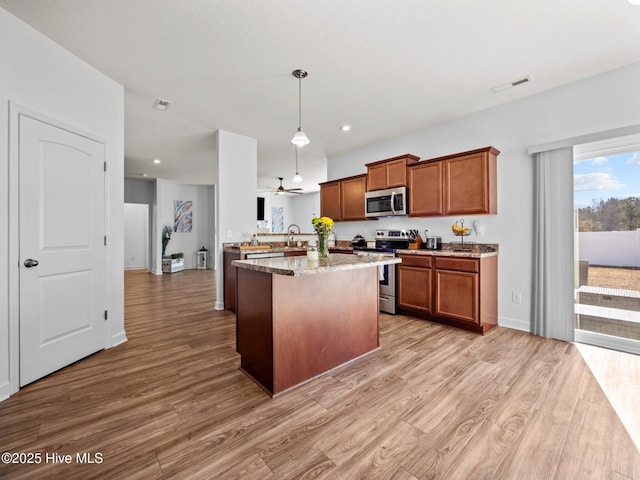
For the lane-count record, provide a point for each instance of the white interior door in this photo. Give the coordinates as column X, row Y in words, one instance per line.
column 62, row 251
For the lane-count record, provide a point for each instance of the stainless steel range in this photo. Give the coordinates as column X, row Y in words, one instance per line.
column 387, row 241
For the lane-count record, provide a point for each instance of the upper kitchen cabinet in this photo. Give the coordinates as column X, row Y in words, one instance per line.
column 388, row 173
column 330, row 200
column 469, row 182
column 343, row 199
column 425, row 189
column 353, row 190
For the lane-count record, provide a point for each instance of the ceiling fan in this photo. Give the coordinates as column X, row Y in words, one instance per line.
column 281, row 190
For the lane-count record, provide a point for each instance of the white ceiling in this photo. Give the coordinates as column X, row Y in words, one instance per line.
column 387, row 68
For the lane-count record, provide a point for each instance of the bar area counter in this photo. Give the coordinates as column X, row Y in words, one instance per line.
column 297, row 319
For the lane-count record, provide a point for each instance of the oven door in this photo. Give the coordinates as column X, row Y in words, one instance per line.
column 387, row 279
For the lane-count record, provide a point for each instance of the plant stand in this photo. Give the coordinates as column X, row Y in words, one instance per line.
column 170, row 265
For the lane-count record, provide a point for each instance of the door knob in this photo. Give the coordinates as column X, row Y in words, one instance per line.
column 30, row 262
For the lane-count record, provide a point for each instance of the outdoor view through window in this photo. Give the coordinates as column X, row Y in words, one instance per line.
column 607, row 221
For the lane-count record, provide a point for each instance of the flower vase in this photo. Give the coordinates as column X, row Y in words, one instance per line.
column 323, row 246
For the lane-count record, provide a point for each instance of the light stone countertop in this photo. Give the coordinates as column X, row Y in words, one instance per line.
column 297, row 266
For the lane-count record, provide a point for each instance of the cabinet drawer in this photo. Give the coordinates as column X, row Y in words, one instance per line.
column 416, row 260
column 458, row 264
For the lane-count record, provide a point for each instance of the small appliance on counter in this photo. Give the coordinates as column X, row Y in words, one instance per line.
column 358, row 241
column 433, row 243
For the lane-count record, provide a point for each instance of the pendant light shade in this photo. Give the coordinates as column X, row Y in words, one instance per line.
column 300, row 138
column 297, row 177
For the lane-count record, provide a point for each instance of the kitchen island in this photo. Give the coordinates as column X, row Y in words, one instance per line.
column 297, row 319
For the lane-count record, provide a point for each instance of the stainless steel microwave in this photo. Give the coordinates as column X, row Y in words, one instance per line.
column 384, row 203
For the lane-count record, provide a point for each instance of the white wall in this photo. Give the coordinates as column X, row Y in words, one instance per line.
column 600, row 103
column 190, row 242
column 305, row 208
column 136, row 236
column 615, row 249
column 237, row 170
column 40, row 76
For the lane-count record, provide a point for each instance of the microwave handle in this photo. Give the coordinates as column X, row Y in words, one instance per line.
column 393, row 202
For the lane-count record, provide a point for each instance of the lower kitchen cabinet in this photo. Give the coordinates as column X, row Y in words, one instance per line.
column 229, row 280
column 458, row 291
column 414, row 283
column 456, row 295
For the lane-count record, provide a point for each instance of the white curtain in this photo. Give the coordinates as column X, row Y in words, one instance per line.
column 553, row 237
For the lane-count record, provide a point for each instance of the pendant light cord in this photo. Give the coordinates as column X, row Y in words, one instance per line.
column 299, row 103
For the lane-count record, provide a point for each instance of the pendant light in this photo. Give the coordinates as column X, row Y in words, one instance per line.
column 300, row 139
column 297, row 178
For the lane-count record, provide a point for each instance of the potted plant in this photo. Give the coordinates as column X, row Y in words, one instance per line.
column 167, row 230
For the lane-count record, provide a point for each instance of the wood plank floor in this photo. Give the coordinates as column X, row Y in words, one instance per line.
column 433, row 403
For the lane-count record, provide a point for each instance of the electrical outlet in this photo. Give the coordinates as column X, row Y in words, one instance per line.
column 516, row 297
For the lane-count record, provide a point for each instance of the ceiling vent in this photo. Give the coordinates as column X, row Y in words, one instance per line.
column 161, row 104
column 515, row 83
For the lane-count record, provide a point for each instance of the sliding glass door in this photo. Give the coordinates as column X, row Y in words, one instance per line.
column 607, row 243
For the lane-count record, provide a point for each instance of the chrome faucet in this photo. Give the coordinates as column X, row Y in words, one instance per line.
column 291, row 232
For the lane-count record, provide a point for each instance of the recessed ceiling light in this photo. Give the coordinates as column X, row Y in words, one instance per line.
column 157, row 160
column 161, row 104
column 345, row 128
column 634, row 2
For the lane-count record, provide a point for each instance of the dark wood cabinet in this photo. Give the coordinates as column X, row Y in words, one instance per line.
column 456, row 295
column 460, row 184
column 414, row 278
column 229, row 276
column 458, row 291
column 295, row 253
column 330, row 200
column 470, row 182
column 343, row 199
column 425, row 189
column 353, row 190
column 389, row 173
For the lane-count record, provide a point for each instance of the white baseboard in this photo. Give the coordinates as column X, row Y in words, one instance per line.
column 219, row 305
column 156, row 272
column 5, row 391
column 514, row 323
column 118, row 339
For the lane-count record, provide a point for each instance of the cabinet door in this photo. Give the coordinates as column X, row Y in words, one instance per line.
column 425, row 189
column 414, row 288
column 330, row 200
column 229, row 279
column 376, row 177
column 456, row 295
column 295, row 253
column 353, row 191
column 466, row 185
column 396, row 173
